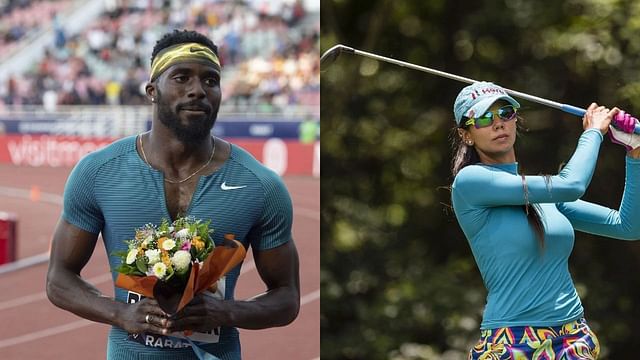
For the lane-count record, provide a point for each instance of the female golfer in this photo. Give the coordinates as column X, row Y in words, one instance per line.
column 521, row 228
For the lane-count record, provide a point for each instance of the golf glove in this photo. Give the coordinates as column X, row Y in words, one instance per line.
column 624, row 121
column 621, row 131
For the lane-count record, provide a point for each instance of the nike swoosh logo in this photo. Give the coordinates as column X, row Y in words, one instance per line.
column 224, row 186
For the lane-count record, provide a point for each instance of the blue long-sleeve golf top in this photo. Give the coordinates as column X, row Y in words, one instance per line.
column 529, row 284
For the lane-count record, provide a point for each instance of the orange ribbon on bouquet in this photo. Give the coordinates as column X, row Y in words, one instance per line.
column 221, row 260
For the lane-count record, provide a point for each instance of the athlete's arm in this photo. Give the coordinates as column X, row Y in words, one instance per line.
column 70, row 251
column 623, row 223
column 278, row 306
column 486, row 186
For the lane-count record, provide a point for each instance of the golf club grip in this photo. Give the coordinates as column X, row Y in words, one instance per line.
column 573, row 110
column 580, row 112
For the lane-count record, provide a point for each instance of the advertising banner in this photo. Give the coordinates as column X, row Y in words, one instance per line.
column 285, row 157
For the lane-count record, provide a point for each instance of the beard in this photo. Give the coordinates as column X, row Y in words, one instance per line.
column 193, row 131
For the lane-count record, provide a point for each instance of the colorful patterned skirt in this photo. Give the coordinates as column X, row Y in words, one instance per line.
column 574, row 340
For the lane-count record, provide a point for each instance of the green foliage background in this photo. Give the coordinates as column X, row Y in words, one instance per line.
column 398, row 280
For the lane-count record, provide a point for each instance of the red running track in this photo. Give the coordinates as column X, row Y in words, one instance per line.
column 35, row 329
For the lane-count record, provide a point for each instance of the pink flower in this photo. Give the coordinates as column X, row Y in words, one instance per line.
column 186, row 246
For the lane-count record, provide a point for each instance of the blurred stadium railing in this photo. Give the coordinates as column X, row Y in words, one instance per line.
column 33, row 136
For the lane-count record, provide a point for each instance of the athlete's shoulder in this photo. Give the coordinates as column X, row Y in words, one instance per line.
column 90, row 164
column 472, row 173
column 249, row 167
column 112, row 151
column 247, row 161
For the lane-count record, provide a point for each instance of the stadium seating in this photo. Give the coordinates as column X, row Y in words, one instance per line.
column 269, row 52
column 21, row 19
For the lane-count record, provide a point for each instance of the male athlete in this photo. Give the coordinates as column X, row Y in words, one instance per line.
column 176, row 169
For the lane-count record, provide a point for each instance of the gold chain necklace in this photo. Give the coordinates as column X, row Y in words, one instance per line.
column 213, row 151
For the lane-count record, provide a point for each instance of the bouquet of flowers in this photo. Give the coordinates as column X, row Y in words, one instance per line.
column 174, row 261
column 166, row 250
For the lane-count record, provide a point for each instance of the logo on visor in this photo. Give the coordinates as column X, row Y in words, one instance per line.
column 491, row 90
column 195, row 49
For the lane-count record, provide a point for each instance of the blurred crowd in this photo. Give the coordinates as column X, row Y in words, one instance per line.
column 269, row 51
column 21, row 18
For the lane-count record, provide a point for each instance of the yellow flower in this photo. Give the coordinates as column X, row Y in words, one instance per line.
column 161, row 240
column 199, row 244
column 166, row 260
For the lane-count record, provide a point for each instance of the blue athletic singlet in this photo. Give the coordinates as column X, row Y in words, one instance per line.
column 113, row 191
column 530, row 285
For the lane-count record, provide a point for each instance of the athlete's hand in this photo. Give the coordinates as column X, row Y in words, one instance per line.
column 598, row 117
column 624, row 121
column 629, row 141
column 204, row 313
column 143, row 316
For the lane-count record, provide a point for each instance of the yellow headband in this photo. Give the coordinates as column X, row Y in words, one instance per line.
column 179, row 53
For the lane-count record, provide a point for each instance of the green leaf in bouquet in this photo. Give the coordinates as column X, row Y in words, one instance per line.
column 207, row 249
column 169, row 274
column 128, row 270
column 121, row 254
column 203, row 229
column 141, row 264
column 180, row 224
column 164, row 226
column 123, row 269
column 194, row 252
column 202, row 254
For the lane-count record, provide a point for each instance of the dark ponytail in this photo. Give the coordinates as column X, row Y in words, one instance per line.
column 464, row 155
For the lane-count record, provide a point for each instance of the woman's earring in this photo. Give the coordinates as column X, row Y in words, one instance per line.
column 469, row 142
column 153, row 99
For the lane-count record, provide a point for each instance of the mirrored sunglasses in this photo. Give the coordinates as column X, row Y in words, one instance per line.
column 506, row 113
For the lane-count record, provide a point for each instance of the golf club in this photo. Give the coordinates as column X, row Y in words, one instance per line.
column 332, row 54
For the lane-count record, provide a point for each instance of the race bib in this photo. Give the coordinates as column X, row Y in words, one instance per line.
column 177, row 339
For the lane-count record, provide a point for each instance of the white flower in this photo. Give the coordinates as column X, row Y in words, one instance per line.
column 168, row 244
column 182, row 234
column 171, row 228
column 153, row 255
column 131, row 256
column 159, row 270
column 147, row 240
column 181, row 260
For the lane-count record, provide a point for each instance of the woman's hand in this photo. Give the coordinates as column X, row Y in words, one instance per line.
column 598, row 117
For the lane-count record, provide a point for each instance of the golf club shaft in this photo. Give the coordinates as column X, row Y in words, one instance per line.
column 556, row 105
